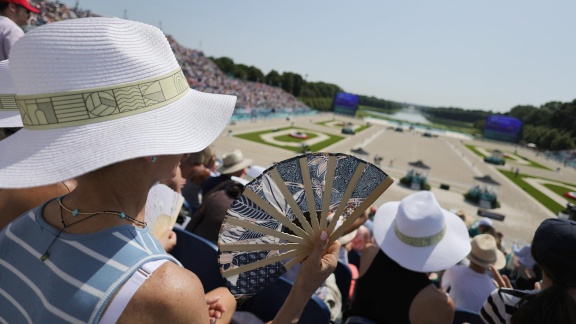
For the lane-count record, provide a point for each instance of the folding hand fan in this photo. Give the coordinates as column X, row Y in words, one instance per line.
column 269, row 227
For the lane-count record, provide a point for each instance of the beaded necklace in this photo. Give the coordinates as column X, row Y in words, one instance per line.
column 75, row 213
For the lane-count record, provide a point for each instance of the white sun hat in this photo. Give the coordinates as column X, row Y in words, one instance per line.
column 420, row 235
column 9, row 114
column 96, row 91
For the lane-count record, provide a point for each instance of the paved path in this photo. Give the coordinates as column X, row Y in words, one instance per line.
column 450, row 161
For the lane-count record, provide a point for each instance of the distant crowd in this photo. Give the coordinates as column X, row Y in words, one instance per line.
column 201, row 73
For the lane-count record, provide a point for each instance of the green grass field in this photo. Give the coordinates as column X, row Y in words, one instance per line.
column 560, row 190
column 509, row 159
column 358, row 130
column 549, row 203
column 473, row 149
column 256, row 137
column 531, row 163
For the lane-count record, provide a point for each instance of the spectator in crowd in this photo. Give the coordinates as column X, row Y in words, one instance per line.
column 233, row 165
column 218, row 195
column 483, row 226
column 413, row 237
column 554, row 249
column 207, row 220
column 13, row 15
column 469, row 286
column 100, row 277
column 525, row 271
column 362, row 238
column 195, row 172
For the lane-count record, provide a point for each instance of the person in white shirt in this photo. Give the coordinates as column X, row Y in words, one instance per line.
column 13, row 14
column 469, row 286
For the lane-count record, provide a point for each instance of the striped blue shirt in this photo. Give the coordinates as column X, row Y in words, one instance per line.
column 76, row 282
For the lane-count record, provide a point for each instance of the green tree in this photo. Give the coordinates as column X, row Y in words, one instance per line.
column 273, row 78
column 240, row 71
column 254, row 74
column 562, row 142
column 225, row 64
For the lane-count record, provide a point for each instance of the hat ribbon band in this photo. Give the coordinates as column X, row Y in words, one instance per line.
column 419, row 241
column 91, row 106
column 8, row 103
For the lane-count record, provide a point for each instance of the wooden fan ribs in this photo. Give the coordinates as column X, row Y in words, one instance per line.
column 289, row 249
column 328, row 186
column 261, row 263
column 343, row 202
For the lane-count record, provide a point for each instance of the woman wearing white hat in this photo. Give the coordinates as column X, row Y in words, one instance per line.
column 14, row 202
column 413, row 236
column 104, row 101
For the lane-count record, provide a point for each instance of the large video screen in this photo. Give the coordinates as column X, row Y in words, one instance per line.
column 345, row 103
column 503, row 128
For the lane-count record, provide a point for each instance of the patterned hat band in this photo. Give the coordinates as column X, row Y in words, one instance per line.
column 419, row 241
column 8, row 103
column 91, row 106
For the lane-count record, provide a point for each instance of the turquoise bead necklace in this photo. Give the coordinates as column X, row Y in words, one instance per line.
column 75, row 213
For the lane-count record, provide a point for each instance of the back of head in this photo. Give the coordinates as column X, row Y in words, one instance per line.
column 554, row 249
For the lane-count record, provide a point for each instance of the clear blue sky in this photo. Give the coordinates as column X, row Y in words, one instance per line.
column 489, row 55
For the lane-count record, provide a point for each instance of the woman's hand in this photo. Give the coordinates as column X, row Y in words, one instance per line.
column 319, row 265
column 168, row 240
column 215, row 309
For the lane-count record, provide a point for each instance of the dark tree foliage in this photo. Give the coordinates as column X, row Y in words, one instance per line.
column 225, row 64
column 273, row 78
column 459, row 114
column 319, row 90
column 378, row 103
column 550, row 126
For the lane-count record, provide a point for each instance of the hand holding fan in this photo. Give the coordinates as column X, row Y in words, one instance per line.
column 273, row 224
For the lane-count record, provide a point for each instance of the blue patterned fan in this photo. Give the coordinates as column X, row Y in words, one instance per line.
column 270, row 227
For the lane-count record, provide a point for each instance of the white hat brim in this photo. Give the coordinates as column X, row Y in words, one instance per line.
column 10, row 119
column 32, row 158
column 454, row 246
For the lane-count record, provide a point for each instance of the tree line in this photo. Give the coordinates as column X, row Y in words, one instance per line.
column 550, row 126
column 317, row 95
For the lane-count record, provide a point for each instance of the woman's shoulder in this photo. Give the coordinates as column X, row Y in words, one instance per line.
column 431, row 306
column 171, row 292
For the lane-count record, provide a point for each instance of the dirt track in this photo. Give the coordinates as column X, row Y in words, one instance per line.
column 450, row 161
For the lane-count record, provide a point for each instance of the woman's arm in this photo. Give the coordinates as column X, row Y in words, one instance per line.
column 314, row 271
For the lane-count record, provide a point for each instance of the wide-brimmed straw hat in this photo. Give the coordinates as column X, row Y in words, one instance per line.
column 9, row 114
column 420, row 235
column 234, row 161
column 96, row 91
column 485, row 252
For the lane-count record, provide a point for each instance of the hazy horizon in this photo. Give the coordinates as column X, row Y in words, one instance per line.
column 487, row 55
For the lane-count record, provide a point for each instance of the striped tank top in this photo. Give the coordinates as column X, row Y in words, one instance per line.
column 77, row 281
